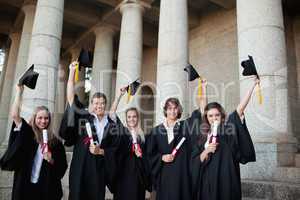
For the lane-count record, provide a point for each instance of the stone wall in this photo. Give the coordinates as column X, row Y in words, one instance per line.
column 213, row 51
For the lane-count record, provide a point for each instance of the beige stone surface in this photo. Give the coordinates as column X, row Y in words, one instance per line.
column 103, row 62
column 8, row 84
column 130, row 51
column 214, row 53
column 172, row 54
column 44, row 53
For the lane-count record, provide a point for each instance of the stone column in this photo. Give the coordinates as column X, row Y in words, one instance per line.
column 21, row 65
column 261, row 34
column 80, row 85
column 130, row 48
column 172, row 54
column 103, row 62
column 8, row 86
column 45, row 54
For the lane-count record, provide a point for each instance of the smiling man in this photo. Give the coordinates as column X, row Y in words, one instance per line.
column 88, row 171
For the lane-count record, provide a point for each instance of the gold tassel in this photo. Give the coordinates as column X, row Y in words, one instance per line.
column 199, row 87
column 129, row 94
column 77, row 73
column 259, row 94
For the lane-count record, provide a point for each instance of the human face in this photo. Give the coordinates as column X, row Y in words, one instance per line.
column 132, row 119
column 172, row 112
column 42, row 119
column 98, row 106
column 213, row 115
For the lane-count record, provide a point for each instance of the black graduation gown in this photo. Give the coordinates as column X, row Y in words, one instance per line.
column 89, row 174
column 218, row 178
column 133, row 172
column 172, row 181
column 19, row 157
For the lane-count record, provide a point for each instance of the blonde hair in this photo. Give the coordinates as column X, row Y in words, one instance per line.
column 140, row 130
column 37, row 132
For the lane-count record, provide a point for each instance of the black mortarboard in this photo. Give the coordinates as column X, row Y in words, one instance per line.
column 132, row 89
column 29, row 78
column 85, row 59
column 192, row 73
column 249, row 70
column 249, row 67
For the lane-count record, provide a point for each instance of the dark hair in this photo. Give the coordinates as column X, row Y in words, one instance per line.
column 176, row 102
column 214, row 105
column 99, row 95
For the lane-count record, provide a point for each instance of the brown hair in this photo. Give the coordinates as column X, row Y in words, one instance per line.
column 213, row 105
column 175, row 102
column 52, row 139
column 99, row 95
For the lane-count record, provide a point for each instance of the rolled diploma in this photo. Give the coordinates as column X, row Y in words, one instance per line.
column 89, row 132
column 45, row 140
column 178, row 146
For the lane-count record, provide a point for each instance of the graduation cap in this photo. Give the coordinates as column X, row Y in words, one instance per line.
column 29, row 78
column 84, row 60
column 132, row 89
column 192, row 75
column 249, row 70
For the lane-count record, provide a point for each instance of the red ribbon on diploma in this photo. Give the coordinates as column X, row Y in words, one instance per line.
column 175, row 150
column 136, row 146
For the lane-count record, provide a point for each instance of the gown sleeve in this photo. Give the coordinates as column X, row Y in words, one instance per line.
column 155, row 158
column 69, row 127
column 16, row 151
column 240, row 141
column 192, row 126
column 60, row 164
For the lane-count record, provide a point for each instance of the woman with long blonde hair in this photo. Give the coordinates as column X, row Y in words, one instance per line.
column 133, row 173
column 35, row 154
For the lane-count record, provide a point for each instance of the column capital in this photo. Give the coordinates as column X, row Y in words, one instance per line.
column 142, row 5
column 105, row 29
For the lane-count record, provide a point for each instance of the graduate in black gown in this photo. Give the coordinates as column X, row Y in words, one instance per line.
column 170, row 173
column 38, row 168
column 133, row 172
column 92, row 166
column 222, row 146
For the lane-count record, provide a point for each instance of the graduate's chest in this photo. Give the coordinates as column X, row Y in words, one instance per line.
column 164, row 145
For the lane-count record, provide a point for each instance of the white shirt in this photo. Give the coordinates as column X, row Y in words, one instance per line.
column 37, row 165
column 37, row 162
column 170, row 131
column 100, row 125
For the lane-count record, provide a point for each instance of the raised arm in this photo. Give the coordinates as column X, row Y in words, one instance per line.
column 15, row 110
column 202, row 100
column 71, row 82
column 243, row 104
column 116, row 102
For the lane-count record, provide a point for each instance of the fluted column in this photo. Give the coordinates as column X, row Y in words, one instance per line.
column 130, row 48
column 172, row 54
column 45, row 54
column 103, row 61
column 8, row 82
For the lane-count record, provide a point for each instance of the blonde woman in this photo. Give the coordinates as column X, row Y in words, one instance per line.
column 133, row 174
column 37, row 171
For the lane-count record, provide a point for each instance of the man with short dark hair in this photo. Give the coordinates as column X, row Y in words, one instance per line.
column 93, row 152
